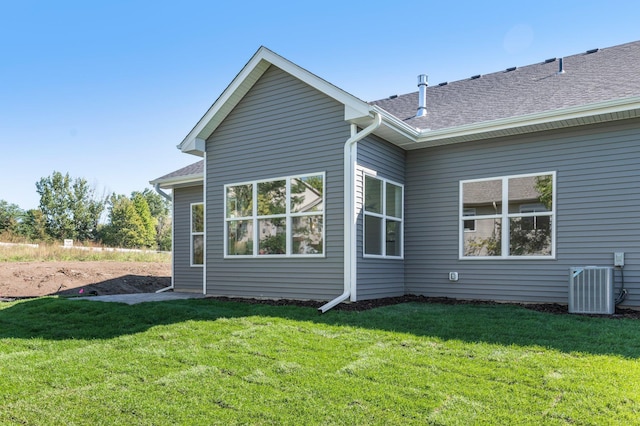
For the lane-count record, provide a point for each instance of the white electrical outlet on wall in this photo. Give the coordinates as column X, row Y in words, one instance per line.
column 618, row 259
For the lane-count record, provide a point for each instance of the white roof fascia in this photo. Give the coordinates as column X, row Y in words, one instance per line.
column 566, row 117
column 354, row 107
column 171, row 183
column 229, row 98
column 396, row 124
column 242, row 83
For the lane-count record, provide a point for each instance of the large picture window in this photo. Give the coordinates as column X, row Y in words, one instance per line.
column 510, row 217
column 383, row 216
column 197, row 234
column 279, row 217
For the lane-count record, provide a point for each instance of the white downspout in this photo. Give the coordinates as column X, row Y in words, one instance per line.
column 170, row 198
column 204, row 204
column 349, row 211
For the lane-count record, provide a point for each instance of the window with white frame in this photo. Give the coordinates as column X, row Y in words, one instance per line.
column 197, row 234
column 469, row 224
column 278, row 217
column 510, row 216
column 383, row 217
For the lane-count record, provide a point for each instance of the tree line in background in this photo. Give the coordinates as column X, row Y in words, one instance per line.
column 70, row 209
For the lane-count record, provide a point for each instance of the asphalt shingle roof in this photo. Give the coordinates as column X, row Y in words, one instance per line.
column 589, row 77
column 192, row 169
column 607, row 74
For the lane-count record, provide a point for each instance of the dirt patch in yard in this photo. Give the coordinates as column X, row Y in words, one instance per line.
column 33, row 279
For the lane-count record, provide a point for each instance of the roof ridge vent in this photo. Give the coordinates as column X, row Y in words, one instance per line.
column 475, row 77
column 589, row 52
column 548, row 61
column 444, row 83
column 393, row 96
column 511, row 69
column 422, row 95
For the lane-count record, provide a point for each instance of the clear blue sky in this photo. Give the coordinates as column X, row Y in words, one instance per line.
column 105, row 90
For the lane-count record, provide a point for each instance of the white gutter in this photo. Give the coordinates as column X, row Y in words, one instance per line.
column 161, row 192
column 564, row 116
column 170, row 198
column 414, row 138
column 350, row 217
column 175, row 181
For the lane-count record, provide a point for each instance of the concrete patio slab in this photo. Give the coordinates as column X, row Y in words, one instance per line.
column 132, row 299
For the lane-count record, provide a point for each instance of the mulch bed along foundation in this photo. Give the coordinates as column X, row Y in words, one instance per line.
column 550, row 308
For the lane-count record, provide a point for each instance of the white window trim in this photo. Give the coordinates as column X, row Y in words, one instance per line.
column 288, row 215
column 382, row 216
column 505, row 216
column 192, row 234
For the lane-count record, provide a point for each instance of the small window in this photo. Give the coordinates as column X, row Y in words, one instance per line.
column 383, row 218
column 530, row 221
column 197, row 234
column 508, row 217
column 469, row 224
column 278, row 217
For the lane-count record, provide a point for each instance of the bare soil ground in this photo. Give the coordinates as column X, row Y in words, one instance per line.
column 33, row 279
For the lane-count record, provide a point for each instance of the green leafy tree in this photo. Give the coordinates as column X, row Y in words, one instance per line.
column 160, row 209
column 158, row 205
column 164, row 234
column 34, row 225
column 69, row 206
column 125, row 224
column 148, row 231
column 10, row 217
column 130, row 223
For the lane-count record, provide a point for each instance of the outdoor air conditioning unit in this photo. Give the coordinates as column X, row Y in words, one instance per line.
column 591, row 290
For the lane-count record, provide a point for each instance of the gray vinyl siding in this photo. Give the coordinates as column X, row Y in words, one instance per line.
column 186, row 278
column 377, row 278
column 597, row 212
column 282, row 127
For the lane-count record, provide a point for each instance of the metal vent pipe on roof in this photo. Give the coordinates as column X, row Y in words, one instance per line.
column 422, row 95
column 561, row 66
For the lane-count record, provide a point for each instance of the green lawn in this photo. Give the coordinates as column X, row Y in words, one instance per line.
column 202, row 362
